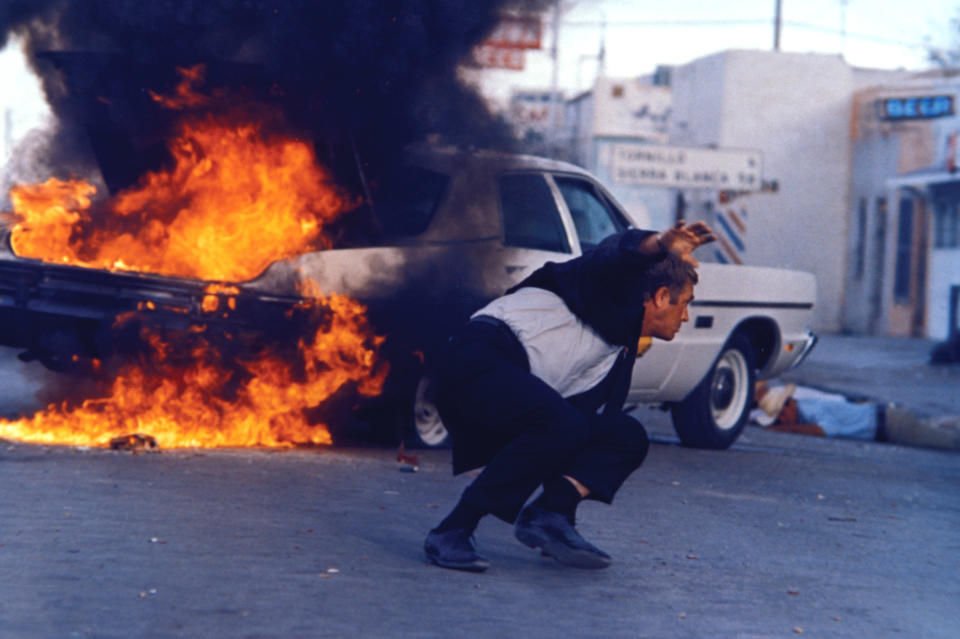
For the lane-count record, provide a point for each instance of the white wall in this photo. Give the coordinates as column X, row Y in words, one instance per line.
column 795, row 109
column 22, row 105
column 944, row 272
column 625, row 107
column 874, row 161
column 23, row 115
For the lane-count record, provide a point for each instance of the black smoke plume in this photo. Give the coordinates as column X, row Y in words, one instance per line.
column 360, row 78
column 374, row 75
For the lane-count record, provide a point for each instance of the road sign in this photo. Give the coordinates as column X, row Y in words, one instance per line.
column 687, row 167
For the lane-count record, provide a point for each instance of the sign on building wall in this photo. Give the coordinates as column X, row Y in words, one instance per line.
column 629, row 108
column 505, row 48
column 921, row 107
column 500, row 58
column 686, row 167
column 532, row 109
column 517, row 32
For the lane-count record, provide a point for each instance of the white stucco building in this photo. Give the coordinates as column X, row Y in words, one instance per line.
column 620, row 111
column 866, row 204
column 795, row 110
column 903, row 275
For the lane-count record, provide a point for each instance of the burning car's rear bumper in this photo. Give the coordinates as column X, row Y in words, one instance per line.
column 58, row 311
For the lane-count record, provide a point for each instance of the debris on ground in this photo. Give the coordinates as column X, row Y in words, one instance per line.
column 407, row 463
column 134, row 442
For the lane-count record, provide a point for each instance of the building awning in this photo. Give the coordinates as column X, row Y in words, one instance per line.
column 929, row 176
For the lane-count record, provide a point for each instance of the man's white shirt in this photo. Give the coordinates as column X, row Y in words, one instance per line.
column 563, row 351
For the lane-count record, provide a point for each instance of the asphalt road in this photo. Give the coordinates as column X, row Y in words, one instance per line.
column 780, row 536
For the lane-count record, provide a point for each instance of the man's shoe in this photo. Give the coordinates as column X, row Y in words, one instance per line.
column 454, row 549
column 556, row 537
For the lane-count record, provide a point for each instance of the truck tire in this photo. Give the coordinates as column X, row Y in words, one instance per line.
column 715, row 412
column 427, row 429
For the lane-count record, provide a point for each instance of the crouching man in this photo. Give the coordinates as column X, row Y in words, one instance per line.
column 532, row 388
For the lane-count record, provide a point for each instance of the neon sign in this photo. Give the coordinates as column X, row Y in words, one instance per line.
column 915, row 108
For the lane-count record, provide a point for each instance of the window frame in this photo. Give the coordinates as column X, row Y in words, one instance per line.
column 620, row 219
column 570, row 238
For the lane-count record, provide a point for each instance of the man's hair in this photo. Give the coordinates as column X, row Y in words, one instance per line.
column 672, row 272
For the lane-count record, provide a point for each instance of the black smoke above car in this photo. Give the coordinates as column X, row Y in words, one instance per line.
column 370, row 74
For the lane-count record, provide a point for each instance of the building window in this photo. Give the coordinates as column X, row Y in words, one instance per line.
column 861, row 247
column 946, row 224
column 901, row 281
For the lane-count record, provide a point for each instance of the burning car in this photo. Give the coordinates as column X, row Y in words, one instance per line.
column 443, row 233
column 242, row 243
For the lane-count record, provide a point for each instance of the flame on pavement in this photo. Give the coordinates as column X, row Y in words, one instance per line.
column 186, row 393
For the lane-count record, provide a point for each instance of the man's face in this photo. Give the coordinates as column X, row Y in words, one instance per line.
column 663, row 315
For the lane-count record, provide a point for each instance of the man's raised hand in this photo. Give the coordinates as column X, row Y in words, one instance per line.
column 682, row 239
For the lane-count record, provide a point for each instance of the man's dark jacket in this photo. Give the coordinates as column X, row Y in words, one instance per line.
column 604, row 289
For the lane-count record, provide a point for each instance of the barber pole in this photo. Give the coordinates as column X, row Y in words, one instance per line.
column 731, row 231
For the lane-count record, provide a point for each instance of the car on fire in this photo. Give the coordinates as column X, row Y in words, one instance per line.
column 439, row 236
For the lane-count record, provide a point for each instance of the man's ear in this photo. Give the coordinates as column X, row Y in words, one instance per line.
column 661, row 297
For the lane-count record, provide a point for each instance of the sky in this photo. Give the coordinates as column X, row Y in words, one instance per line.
column 639, row 35
column 22, row 106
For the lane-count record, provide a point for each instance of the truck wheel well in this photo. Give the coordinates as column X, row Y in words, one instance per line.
column 763, row 335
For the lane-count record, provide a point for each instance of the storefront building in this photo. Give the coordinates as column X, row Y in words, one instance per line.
column 903, row 267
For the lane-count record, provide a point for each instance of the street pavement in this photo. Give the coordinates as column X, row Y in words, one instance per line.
column 780, row 536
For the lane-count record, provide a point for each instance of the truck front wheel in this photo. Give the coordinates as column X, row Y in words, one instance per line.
column 427, row 429
column 715, row 412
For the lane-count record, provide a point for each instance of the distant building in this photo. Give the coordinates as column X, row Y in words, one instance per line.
column 537, row 118
column 619, row 111
column 903, row 273
column 795, row 110
column 851, row 174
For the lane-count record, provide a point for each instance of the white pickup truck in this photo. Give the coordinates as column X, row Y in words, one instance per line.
column 475, row 223
column 444, row 234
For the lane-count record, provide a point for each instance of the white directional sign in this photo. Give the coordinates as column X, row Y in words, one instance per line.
column 686, row 167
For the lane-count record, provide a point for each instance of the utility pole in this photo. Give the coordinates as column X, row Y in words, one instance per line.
column 7, row 135
column 776, row 25
column 843, row 26
column 555, row 103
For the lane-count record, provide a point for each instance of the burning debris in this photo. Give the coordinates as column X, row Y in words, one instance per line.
column 185, row 391
column 134, row 442
column 218, row 129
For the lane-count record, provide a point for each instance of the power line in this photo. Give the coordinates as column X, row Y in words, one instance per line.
column 634, row 24
column 857, row 36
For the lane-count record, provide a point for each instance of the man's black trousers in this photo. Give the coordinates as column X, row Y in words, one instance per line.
column 523, row 432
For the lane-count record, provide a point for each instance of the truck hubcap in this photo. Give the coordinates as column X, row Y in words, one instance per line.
column 729, row 393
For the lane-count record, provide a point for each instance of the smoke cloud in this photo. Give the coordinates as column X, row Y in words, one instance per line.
column 377, row 73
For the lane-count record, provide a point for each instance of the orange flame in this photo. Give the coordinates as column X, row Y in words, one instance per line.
column 186, row 95
column 201, row 401
column 233, row 201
